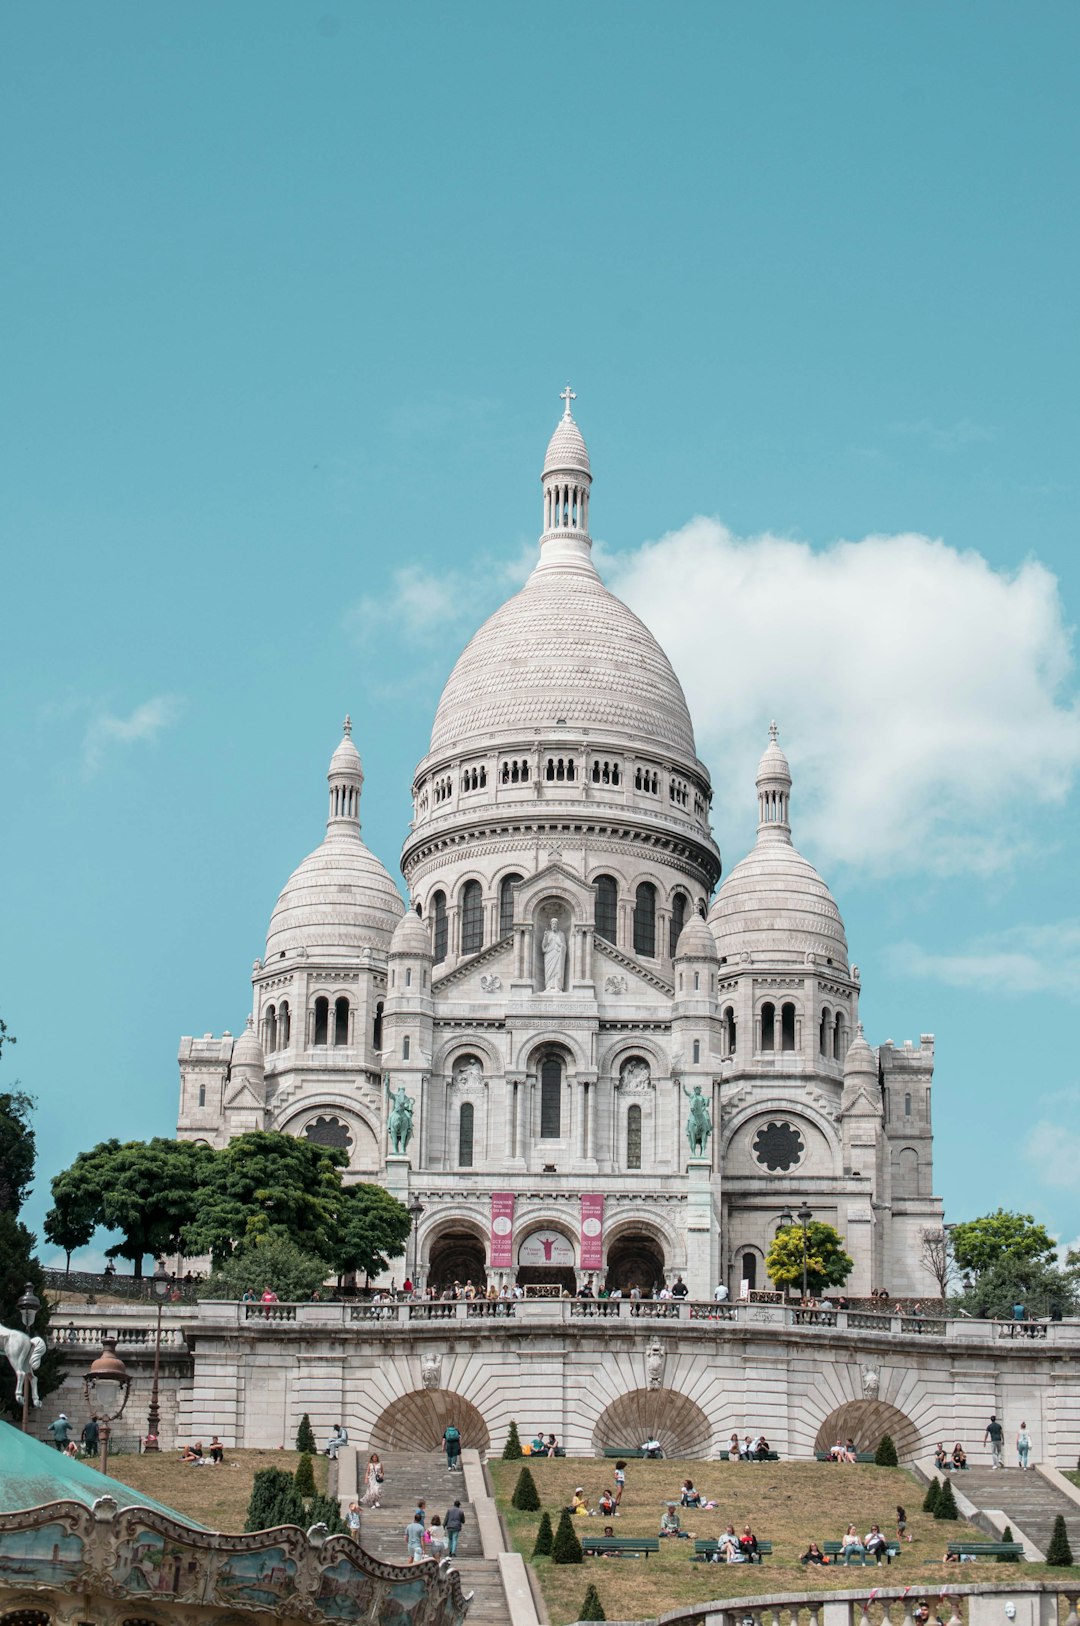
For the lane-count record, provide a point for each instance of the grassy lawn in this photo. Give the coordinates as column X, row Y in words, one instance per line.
column 787, row 1503
column 215, row 1497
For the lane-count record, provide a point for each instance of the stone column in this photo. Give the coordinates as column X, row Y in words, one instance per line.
column 700, row 1229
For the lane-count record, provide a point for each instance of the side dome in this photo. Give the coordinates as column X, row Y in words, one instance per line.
column 341, row 898
column 411, row 937
column 695, row 941
column 247, row 1051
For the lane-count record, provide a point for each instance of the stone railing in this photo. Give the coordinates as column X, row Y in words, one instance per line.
column 987, row 1604
column 68, row 1335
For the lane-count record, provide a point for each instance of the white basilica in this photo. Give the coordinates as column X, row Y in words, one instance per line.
column 576, row 1058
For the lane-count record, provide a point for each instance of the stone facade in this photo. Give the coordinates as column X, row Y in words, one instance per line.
column 564, row 984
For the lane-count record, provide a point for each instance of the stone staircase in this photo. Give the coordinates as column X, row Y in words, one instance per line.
column 411, row 1475
column 1029, row 1502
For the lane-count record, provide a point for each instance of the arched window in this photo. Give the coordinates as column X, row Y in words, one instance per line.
column 271, row 1029
column 678, row 920
column 202, row 1095
column 787, row 1027
column 406, row 1046
column 472, row 918
column 697, row 1050
column 838, row 1037
column 768, row 1026
column 825, row 1034
column 322, row 1019
column 645, row 920
column 439, row 936
column 729, row 1031
column 907, row 1106
column 551, row 1098
column 465, row 1135
column 376, row 1028
column 341, row 1021
column 633, row 1138
column 606, row 920
column 284, row 1025
column 749, row 1270
column 506, row 903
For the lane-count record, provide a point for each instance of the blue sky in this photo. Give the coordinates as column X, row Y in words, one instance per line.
column 289, row 292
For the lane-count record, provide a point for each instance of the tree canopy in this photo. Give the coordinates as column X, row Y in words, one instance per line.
column 266, row 1261
column 262, row 1184
column 146, row 1190
column 17, row 1150
column 980, row 1244
column 19, row 1265
column 372, row 1228
column 827, row 1264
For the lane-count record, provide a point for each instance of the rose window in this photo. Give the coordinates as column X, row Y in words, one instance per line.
column 328, row 1132
column 778, row 1146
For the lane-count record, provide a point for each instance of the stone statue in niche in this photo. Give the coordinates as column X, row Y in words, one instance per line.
column 871, row 1379
column 554, row 950
column 431, row 1371
column 468, row 1074
column 655, row 1359
column 635, row 1075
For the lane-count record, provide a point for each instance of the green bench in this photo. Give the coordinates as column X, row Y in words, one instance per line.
column 710, row 1552
column 766, row 1456
column 860, row 1456
column 625, row 1451
column 834, row 1552
column 619, row 1546
column 1011, row 1551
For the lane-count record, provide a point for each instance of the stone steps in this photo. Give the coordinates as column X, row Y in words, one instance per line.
column 1026, row 1499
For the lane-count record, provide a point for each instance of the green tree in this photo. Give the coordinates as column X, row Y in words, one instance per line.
column 946, row 1503
column 370, row 1229
column 264, row 1184
column 512, row 1449
column 17, row 1149
column 1038, row 1284
column 274, row 1501
column 1059, row 1553
column 1007, row 1558
column 980, row 1244
column 305, row 1436
column 544, row 1537
column 324, row 1510
column 592, row 1608
column 566, row 1548
column 19, row 1265
column 146, row 1190
column 271, row 1261
column 827, row 1265
column 933, row 1492
column 304, row 1477
column 885, row 1456
column 72, row 1220
column 526, row 1497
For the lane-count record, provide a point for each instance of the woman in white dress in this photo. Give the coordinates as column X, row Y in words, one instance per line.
column 373, row 1480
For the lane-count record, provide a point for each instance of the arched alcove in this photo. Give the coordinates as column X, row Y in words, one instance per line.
column 635, row 1259
column 644, row 1414
column 865, row 1421
column 415, row 1422
column 456, row 1256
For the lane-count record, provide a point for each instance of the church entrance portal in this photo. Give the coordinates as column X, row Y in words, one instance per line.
column 457, row 1256
column 635, row 1260
column 546, row 1260
column 559, row 1280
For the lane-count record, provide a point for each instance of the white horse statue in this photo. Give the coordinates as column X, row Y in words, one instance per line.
column 24, row 1357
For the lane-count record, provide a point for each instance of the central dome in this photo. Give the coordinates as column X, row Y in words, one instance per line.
column 566, row 650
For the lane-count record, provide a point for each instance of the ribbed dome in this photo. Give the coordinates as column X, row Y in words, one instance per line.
column 563, row 648
column 860, row 1061
column 695, row 940
column 340, row 898
column 346, row 759
column 247, row 1051
column 774, row 905
column 567, row 449
column 410, row 936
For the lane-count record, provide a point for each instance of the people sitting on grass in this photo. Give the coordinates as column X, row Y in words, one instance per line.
column 217, row 1451
column 671, row 1525
column 551, row 1445
column 875, row 1543
column 193, row 1453
column 813, row 1555
column 606, row 1505
column 691, row 1496
column 852, row 1542
column 941, row 1460
column 959, row 1456
column 840, row 1453
column 579, row 1506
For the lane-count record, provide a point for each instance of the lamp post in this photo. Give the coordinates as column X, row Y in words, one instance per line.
column 804, row 1215
column 416, row 1208
column 106, row 1387
column 28, row 1307
column 160, row 1281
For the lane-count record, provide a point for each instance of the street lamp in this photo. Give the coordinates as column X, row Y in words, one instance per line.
column 160, row 1283
column 28, row 1307
column 416, row 1208
column 106, row 1387
column 804, row 1215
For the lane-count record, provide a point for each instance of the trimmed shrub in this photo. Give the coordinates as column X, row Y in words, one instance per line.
column 304, row 1477
column 1059, row 1553
column 592, row 1608
column 1007, row 1535
column 274, row 1501
column 305, row 1436
column 526, row 1497
column 885, row 1456
column 566, row 1548
column 544, row 1538
column 933, row 1491
column 512, row 1448
column 946, row 1502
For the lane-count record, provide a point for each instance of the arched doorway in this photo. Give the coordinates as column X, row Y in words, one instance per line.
column 865, row 1421
column 546, row 1259
column 663, row 1414
column 415, row 1422
column 635, row 1260
column 456, row 1256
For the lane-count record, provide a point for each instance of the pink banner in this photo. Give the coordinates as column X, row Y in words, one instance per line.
column 502, row 1230
column 592, row 1231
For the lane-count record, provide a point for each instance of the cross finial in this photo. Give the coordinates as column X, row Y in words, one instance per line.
column 774, row 733
column 567, row 395
column 348, row 726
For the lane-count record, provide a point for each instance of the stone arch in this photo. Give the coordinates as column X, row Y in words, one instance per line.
column 466, row 1044
column 453, row 1249
column 635, row 1044
column 865, row 1421
column 415, row 1422
column 533, row 1046
column 364, row 1153
column 650, row 1225
column 674, row 1419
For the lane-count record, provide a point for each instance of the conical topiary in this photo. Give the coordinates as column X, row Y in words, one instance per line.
column 592, row 1608
column 512, row 1448
column 885, row 1456
column 267, row 1490
column 305, row 1436
column 304, row 1477
column 566, row 1548
column 946, row 1502
column 526, row 1497
column 325, row 1510
column 933, row 1491
column 544, row 1538
column 1007, row 1558
column 1059, row 1553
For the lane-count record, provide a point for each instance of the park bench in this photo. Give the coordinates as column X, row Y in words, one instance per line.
column 706, row 1552
column 860, row 1456
column 627, row 1451
column 620, row 1546
column 764, row 1456
column 856, row 1555
column 986, row 1549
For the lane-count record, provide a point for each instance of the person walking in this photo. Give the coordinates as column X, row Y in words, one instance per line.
column 1023, row 1446
column 61, row 1432
column 373, row 1481
column 452, row 1446
column 996, row 1435
column 414, row 1540
column 90, row 1437
column 435, row 1542
column 454, row 1524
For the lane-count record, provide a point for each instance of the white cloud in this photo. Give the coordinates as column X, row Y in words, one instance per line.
column 1054, row 1153
column 419, row 601
column 922, row 695
column 105, row 732
column 946, row 437
column 1022, row 959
